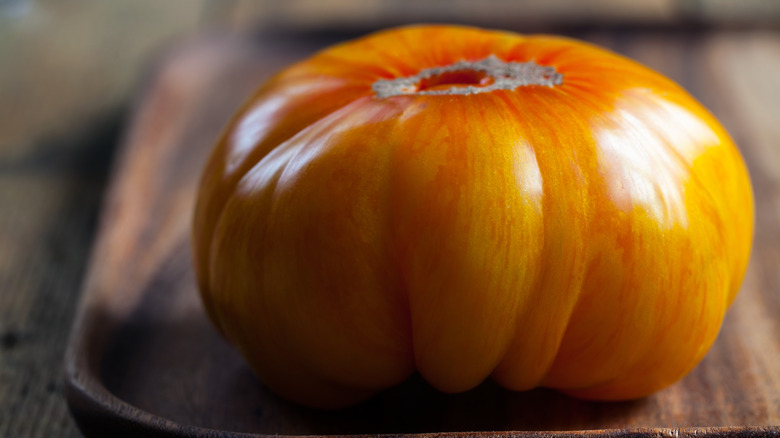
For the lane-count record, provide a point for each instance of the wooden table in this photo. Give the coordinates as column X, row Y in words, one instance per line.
column 53, row 179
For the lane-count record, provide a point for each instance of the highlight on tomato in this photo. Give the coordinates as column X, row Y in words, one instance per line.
column 471, row 204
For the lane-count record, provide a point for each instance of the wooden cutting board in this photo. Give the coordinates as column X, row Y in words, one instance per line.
column 144, row 360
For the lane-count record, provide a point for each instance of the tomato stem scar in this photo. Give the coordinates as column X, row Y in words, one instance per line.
column 470, row 77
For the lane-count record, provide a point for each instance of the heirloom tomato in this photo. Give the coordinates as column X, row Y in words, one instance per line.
column 471, row 204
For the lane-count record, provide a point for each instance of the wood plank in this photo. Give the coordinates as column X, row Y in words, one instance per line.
column 47, row 221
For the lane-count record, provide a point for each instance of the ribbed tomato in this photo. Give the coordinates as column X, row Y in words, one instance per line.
column 471, row 204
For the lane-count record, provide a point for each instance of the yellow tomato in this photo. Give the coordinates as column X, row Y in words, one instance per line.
column 471, row 204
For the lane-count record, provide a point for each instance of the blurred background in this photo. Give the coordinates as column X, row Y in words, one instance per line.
column 70, row 72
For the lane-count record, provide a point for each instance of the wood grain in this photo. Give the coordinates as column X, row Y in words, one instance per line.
column 143, row 359
column 49, row 203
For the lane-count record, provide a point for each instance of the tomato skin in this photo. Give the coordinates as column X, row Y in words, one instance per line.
column 587, row 236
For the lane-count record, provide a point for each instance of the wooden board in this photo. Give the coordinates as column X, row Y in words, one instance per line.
column 144, row 360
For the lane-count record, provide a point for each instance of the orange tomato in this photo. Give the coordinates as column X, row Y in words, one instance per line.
column 470, row 204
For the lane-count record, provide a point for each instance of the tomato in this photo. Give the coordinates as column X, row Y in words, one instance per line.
column 471, row 204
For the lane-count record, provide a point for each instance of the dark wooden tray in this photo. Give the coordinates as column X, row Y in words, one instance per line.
column 144, row 360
